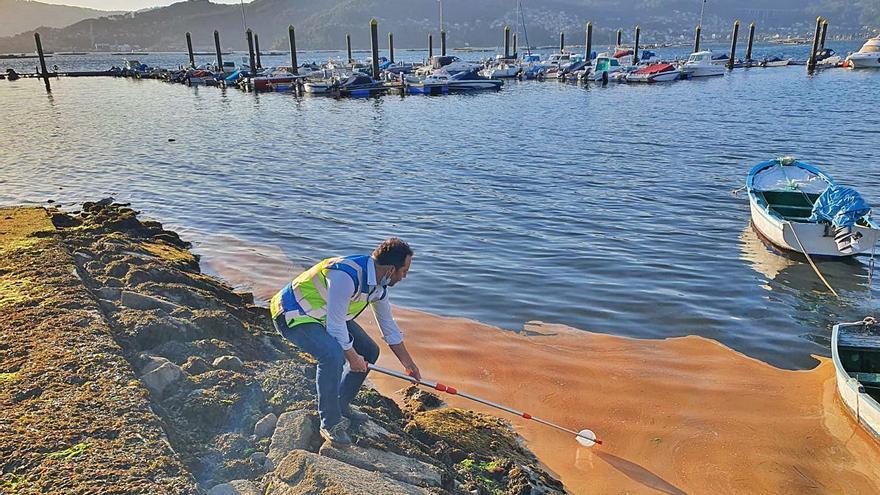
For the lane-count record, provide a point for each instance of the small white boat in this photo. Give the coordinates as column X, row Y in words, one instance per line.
column 855, row 350
column 775, row 62
column 654, row 73
column 321, row 87
column 700, row 64
column 782, row 196
column 462, row 81
column 501, row 68
column 604, row 64
column 867, row 57
column 826, row 59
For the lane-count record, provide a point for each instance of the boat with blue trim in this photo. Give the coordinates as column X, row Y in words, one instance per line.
column 799, row 208
column 855, row 350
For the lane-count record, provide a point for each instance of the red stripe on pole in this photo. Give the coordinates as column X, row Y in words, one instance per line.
column 527, row 415
column 440, row 387
column 451, row 390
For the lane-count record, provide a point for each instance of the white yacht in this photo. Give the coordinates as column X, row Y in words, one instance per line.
column 700, row 64
column 867, row 57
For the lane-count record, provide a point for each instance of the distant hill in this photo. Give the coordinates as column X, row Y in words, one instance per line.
column 18, row 16
column 323, row 24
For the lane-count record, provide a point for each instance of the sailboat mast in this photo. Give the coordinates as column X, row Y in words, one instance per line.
column 702, row 7
column 525, row 32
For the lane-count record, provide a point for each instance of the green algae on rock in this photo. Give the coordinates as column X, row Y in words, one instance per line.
column 165, row 377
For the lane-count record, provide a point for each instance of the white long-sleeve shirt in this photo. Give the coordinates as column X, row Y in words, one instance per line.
column 339, row 291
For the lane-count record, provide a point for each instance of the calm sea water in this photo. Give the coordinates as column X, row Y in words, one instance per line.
column 605, row 208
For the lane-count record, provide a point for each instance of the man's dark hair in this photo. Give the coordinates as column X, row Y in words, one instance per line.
column 392, row 251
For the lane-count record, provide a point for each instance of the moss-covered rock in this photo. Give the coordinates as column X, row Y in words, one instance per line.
column 95, row 305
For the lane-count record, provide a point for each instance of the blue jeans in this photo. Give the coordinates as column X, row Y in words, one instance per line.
column 336, row 383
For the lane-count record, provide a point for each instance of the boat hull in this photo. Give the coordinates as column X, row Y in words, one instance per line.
column 785, row 234
column 318, row 88
column 863, row 61
column 266, row 83
column 474, row 85
column 427, row 89
column 704, row 71
column 863, row 408
column 654, row 78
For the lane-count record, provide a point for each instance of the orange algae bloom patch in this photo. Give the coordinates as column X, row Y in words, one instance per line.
column 680, row 415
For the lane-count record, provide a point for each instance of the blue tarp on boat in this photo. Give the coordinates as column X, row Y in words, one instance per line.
column 841, row 206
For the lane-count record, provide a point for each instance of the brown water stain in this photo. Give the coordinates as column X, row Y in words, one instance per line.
column 679, row 415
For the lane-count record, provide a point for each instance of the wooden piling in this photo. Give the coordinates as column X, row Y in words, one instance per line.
column 291, row 34
column 257, row 47
column 189, row 49
column 588, row 49
column 811, row 62
column 43, row 71
column 697, row 39
column 391, row 47
column 619, row 37
column 374, row 45
column 561, row 42
column 751, row 41
column 732, row 60
column 636, row 47
column 348, row 47
column 824, row 32
column 250, row 41
column 430, row 46
column 442, row 43
column 506, row 42
column 218, row 51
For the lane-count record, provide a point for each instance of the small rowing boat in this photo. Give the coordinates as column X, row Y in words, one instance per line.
column 855, row 350
column 799, row 208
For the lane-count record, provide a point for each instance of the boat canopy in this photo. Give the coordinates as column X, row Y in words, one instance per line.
column 655, row 68
column 842, row 206
column 357, row 79
column 777, row 177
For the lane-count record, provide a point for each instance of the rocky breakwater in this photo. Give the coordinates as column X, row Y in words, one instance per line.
column 124, row 369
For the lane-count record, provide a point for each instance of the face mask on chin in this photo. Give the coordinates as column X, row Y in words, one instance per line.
column 385, row 281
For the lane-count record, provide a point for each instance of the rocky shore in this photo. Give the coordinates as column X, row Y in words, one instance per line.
column 124, row 369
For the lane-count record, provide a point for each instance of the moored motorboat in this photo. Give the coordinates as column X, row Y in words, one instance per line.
column 654, row 73
column 855, row 350
column 799, row 208
column 272, row 77
column 826, row 58
column 700, row 64
column 463, row 81
column 360, row 84
column 320, row 87
column 775, row 62
column 867, row 57
column 604, row 66
column 501, row 68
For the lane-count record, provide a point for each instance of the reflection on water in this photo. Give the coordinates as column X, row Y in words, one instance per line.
column 606, row 209
column 791, row 281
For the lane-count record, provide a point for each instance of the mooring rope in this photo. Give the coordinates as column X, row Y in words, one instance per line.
column 871, row 278
column 815, row 268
